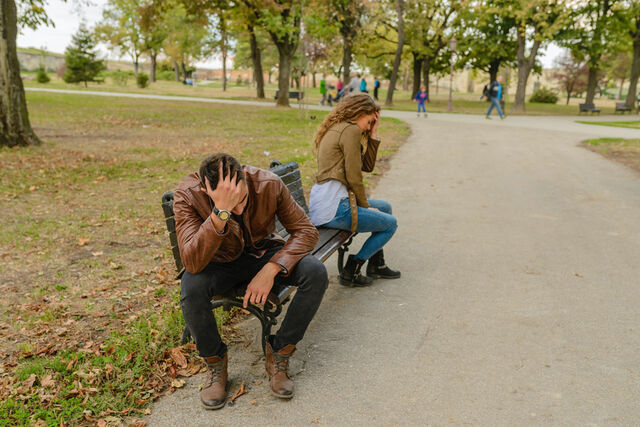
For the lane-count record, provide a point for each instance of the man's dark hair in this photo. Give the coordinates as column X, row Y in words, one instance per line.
column 210, row 169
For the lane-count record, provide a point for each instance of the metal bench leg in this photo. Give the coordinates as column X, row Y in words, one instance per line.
column 341, row 251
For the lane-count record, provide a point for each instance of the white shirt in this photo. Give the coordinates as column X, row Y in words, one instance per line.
column 354, row 85
column 324, row 201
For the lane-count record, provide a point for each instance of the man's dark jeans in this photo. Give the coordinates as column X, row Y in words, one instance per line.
column 309, row 275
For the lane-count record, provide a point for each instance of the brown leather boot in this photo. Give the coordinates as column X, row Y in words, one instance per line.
column 277, row 365
column 214, row 392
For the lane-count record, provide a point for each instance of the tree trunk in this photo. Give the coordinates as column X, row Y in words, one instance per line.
column 177, row 70
column 398, row 57
column 136, row 66
column 152, row 73
column 494, row 67
column 256, row 58
column 620, row 90
column 426, row 69
column 346, row 60
column 284, row 72
column 592, row 83
column 405, row 79
column 15, row 128
column 313, row 79
column 635, row 69
column 417, row 69
column 224, row 70
column 525, row 65
column 184, row 70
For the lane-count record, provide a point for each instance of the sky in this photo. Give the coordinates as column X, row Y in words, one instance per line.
column 67, row 17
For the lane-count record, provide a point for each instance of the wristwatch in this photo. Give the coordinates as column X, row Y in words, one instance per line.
column 222, row 214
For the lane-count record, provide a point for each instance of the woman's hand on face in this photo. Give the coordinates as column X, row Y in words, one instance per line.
column 374, row 128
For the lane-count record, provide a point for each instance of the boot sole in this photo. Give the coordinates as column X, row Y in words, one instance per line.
column 350, row 284
column 378, row 276
column 280, row 396
column 212, row 408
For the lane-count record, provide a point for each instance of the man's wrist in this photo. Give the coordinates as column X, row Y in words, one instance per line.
column 273, row 268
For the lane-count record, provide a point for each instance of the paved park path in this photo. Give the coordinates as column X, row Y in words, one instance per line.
column 519, row 302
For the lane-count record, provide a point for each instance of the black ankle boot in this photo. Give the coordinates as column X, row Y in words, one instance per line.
column 376, row 268
column 351, row 274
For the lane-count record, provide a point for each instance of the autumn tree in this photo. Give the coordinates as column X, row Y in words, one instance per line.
column 15, row 128
column 631, row 25
column 121, row 28
column 571, row 73
column 537, row 23
column 154, row 32
column 594, row 32
column 489, row 40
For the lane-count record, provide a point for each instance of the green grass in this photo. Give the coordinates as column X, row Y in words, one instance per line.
column 631, row 124
column 463, row 103
column 84, row 248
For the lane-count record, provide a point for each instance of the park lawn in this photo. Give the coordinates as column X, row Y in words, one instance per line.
column 626, row 151
column 88, row 296
column 463, row 103
column 632, row 124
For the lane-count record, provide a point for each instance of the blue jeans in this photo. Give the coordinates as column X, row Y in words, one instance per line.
column 495, row 102
column 421, row 104
column 381, row 224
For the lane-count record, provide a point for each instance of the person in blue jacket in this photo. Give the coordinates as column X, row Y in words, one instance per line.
column 495, row 95
column 421, row 97
column 363, row 85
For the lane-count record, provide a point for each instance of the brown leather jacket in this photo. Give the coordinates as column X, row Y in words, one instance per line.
column 200, row 243
column 343, row 154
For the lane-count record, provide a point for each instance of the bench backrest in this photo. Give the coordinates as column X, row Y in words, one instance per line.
column 288, row 172
column 588, row 106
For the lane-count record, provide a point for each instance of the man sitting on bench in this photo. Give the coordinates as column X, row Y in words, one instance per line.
column 225, row 223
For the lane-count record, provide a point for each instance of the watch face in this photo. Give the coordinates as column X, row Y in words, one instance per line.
column 223, row 215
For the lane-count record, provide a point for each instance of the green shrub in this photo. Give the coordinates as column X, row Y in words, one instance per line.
column 544, row 95
column 143, row 80
column 120, row 77
column 165, row 75
column 41, row 75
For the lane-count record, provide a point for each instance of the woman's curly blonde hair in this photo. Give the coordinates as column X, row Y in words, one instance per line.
column 349, row 108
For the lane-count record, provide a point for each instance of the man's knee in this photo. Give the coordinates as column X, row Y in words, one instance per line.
column 194, row 288
column 311, row 270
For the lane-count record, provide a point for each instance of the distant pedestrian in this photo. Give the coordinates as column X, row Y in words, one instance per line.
column 376, row 87
column 323, row 88
column 339, row 85
column 354, row 84
column 421, row 97
column 363, row 86
column 495, row 95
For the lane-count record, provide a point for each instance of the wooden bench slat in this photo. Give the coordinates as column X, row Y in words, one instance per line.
column 325, row 251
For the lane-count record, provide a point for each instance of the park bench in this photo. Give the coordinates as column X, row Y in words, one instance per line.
column 330, row 241
column 293, row 94
column 588, row 108
column 622, row 107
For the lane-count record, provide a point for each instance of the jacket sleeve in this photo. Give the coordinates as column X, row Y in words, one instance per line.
column 350, row 143
column 369, row 158
column 198, row 240
column 303, row 235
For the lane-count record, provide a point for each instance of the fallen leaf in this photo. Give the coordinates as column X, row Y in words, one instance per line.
column 83, row 241
column 177, row 383
column 28, row 383
column 579, row 275
column 316, row 420
column 102, row 423
column 97, row 253
column 71, row 363
column 33, row 188
column 178, row 357
column 47, row 381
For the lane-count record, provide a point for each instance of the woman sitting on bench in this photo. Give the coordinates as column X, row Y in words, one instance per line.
column 347, row 144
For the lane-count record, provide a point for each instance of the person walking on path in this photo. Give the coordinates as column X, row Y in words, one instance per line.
column 363, row 86
column 376, row 87
column 225, row 224
column 495, row 95
column 323, row 88
column 354, row 84
column 346, row 144
column 421, row 97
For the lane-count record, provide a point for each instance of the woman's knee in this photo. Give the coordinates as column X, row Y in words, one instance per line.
column 381, row 205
